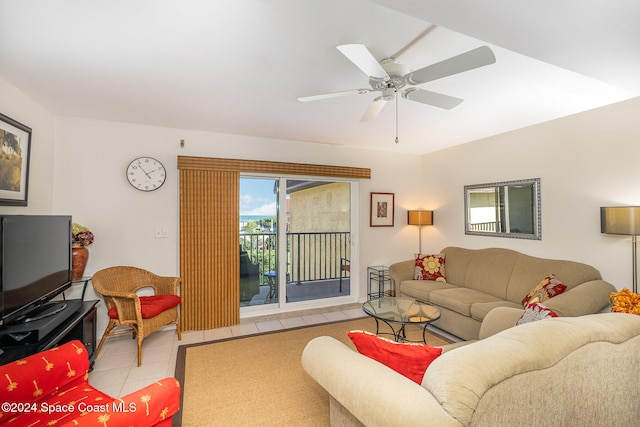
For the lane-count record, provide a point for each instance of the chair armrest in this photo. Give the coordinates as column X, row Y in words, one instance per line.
column 402, row 270
column 148, row 406
column 128, row 307
column 166, row 285
column 586, row 298
column 370, row 391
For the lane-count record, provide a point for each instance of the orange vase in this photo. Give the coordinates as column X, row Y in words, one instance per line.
column 79, row 258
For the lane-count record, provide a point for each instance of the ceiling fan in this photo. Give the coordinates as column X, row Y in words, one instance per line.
column 389, row 77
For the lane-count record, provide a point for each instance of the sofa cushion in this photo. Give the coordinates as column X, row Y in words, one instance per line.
column 460, row 300
column 408, row 359
column 430, row 267
column 548, row 288
column 420, row 289
column 535, row 311
column 531, row 270
column 479, row 310
column 485, row 270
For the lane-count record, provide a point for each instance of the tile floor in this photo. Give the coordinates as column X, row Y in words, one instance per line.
column 116, row 371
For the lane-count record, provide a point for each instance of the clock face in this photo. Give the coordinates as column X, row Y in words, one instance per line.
column 146, row 174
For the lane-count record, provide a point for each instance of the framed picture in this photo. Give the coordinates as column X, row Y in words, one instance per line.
column 14, row 162
column 381, row 210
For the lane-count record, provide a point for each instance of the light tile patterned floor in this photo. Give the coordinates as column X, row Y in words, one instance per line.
column 116, row 371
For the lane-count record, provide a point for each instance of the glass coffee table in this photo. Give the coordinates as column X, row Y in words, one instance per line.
column 398, row 312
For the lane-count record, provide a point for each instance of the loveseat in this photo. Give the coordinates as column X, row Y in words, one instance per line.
column 479, row 280
column 51, row 388
column 564, row 371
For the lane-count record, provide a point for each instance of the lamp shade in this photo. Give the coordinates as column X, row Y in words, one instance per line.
column 420, row 217
column 620, row 220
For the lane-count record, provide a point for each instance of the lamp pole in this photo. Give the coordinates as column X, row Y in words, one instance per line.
column 634, row 263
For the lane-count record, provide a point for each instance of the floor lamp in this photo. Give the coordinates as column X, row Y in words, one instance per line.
column 623, row 220
column 420, row 218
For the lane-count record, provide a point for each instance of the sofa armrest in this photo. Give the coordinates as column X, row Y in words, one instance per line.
column 499, row 319
column 372, row 392
column 402, row 270
column 149, row 406
column 586, row 298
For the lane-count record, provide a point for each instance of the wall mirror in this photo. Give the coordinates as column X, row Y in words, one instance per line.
column 503, row 209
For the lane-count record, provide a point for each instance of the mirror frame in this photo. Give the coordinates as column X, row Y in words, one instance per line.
column 536, row 214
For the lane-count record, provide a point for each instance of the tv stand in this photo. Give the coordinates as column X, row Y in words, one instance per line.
column 78, row 323
column 45, row 311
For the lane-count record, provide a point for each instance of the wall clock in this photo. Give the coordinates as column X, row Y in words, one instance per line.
column 146, row 174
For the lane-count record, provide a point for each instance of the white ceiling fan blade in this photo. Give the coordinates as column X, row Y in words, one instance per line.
column 363, row 59
column 374, row 109
column 432, row 98
column 470, row 60
column 333, row 95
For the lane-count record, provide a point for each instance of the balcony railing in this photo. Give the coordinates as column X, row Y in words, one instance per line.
column 484, row 226
column 310, row 256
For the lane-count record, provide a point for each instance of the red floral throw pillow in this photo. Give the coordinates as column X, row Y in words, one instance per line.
column 430, row 267
column 548, row 288
column 535, row 311
column 408, row 359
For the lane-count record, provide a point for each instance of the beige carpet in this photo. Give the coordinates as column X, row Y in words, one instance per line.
column 258, row 380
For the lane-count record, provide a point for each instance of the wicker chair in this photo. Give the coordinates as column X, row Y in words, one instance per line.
column 141, row 315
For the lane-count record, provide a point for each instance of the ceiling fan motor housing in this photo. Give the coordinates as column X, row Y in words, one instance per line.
column 396, row 79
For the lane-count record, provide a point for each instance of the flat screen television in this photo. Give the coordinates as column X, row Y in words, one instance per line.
column 35, row 263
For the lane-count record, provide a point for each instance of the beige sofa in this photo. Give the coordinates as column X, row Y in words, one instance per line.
column 565, row 371
column 479, row 280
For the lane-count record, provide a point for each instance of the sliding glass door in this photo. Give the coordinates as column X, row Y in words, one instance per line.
column 258, row 241
column 295, row 240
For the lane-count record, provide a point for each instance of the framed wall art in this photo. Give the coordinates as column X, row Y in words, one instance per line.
column 14, row 162
column 381, row 210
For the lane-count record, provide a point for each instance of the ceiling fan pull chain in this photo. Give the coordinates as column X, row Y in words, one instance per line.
column 397, row 140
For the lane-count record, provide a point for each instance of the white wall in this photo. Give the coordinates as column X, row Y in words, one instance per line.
column 97, row 194
column 584, row 161
column 19, row 107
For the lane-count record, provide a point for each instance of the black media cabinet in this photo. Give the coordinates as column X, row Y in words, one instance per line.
column 78, row 323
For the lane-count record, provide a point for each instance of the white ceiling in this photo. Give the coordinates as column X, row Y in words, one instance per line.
column 238, row 66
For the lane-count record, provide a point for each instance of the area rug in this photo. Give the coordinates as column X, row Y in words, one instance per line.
column 258, row 380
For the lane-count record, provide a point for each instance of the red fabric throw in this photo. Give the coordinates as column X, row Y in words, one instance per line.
column 408, row 359
column 151, row 306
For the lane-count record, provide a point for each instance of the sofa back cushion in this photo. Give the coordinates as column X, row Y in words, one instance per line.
column 529, row 271
column 508, row 274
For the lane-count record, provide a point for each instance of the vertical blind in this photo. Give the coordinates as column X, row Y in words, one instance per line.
column 209, row 226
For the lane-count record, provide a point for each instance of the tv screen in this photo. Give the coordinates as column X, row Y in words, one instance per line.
column 36, row 261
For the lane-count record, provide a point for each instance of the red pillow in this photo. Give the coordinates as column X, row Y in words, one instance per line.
column 408, row 359
column 430, row 267
column 535, row 311
column 548, row 288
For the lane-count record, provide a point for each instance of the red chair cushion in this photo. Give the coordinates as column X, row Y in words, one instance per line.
column 151, row 306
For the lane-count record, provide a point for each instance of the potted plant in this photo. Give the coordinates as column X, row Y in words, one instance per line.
column 81, row 238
